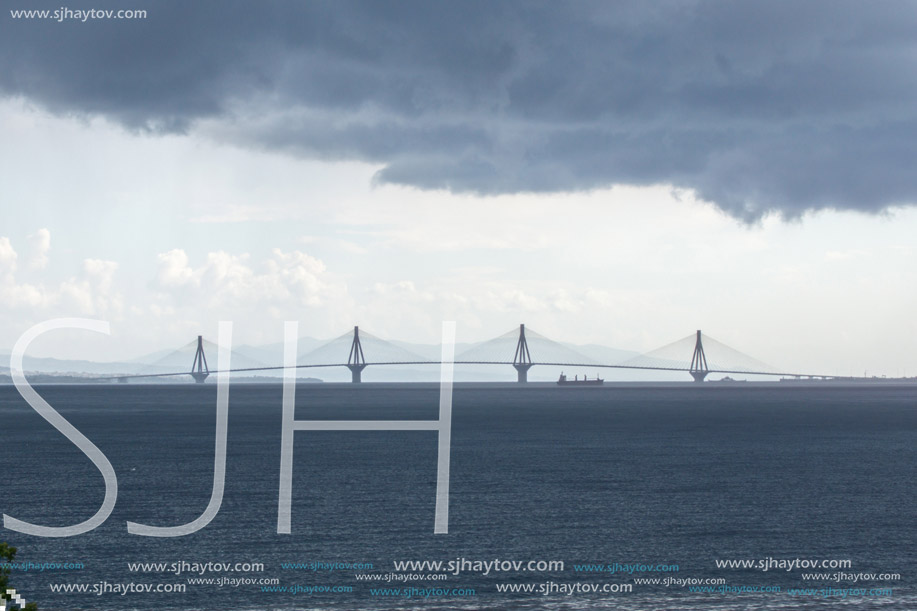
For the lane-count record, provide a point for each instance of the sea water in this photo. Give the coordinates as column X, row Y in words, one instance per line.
column 558, row 490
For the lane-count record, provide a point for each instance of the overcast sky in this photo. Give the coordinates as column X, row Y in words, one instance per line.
column 608, row 172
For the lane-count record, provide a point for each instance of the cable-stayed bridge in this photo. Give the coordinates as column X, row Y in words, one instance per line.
column 697, row 355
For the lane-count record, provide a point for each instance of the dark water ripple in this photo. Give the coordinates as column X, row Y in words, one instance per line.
column 651, row 475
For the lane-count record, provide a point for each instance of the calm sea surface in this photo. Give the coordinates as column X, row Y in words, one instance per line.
column 646, row 476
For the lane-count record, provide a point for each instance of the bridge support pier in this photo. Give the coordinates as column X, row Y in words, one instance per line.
column 699, row 368
column 522, row 373
column 356, row 362
column 356, row 373
column 522, row 360
column 199, row 369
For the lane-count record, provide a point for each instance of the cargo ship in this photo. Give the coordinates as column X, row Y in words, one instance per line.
column 563, row 380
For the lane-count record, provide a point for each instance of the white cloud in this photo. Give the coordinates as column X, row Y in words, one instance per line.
column 40, row 244
column 224, row 278
column 79, row 294
column 102, row 272
column 90, row 293
column 174, row 269
column 14, row 294
column 93, row 294
column 8, row 256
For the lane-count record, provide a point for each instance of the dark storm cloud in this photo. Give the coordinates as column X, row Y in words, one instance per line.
column 758, row 106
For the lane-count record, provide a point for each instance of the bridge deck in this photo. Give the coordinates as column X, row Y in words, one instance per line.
column 545, row 364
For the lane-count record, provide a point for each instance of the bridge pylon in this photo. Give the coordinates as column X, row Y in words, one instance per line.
column 699, row 368
column 522, row 360
column 199, row 368
column 356, row 362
